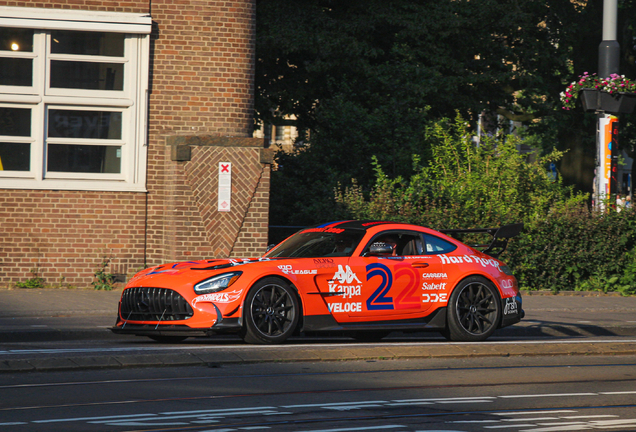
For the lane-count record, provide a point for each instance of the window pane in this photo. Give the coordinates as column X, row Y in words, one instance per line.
column 435, row 245
column 15, row 157
column 16, row 72
column 15, row 121
column 87, row 75
column 84, row 158
column 84, row 124
column 88, row 43
column 12, row 39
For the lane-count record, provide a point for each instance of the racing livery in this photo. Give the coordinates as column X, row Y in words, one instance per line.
column 361, row 278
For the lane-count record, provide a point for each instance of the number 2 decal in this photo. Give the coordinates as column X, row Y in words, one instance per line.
column 378, row 300
column 406, row 299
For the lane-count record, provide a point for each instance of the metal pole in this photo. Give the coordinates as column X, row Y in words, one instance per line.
column 608, row 64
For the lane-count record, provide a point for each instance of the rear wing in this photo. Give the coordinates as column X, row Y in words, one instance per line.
column 500, row 237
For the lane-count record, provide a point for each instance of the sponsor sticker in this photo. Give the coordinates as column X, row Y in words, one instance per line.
column 434, row 298
column 507, row 286
column 288, row 269
column 345, row 275
column 430, row 286
column 434, row 276
column 323, row 262
column 344, row 307
column 220, row 297
column 511, row 306
column 459, row 259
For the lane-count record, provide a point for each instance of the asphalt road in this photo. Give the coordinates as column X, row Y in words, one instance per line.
column 534, row 394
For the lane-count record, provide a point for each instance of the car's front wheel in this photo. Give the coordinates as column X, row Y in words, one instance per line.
column 271, row 312
column 474, row 310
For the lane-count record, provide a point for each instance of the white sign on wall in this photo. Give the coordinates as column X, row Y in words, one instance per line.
column 225, row 186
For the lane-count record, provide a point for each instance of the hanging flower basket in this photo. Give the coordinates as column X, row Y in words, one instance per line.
column 596, row 100
column 615, row 94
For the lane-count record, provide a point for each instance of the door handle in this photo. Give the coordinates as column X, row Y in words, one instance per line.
column 420, row 265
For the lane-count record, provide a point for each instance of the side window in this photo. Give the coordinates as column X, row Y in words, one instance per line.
column 435, row 245
column 402, row 243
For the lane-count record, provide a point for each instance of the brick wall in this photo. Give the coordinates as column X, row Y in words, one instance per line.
column 201, row 98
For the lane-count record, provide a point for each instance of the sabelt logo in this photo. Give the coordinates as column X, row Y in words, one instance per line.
column 433, row 286
column 507, row 286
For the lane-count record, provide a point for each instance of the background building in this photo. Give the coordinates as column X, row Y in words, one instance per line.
column 117, row 120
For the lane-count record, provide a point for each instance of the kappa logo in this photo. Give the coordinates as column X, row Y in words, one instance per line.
column 345, row 275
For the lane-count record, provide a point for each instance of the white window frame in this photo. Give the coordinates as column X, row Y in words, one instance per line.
column 132, row 101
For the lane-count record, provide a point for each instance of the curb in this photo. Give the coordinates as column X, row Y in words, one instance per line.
column 250, row 355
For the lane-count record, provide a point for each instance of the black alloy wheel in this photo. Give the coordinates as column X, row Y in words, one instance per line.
column 271, row 312
column 474, row 310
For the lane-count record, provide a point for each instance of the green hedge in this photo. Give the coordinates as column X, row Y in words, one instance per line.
column 564, row 246
column 577, row 250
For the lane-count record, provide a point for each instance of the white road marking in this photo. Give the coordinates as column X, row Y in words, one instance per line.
column 547, row 395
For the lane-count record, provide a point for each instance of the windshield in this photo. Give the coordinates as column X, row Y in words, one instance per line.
column 318, row 242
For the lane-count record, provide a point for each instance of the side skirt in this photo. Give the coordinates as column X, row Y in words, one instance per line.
column 434, row 322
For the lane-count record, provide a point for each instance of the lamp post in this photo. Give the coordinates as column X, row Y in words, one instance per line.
column 607, row 125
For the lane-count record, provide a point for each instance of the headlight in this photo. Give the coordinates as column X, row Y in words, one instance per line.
column 505, row 270
column 217, row 283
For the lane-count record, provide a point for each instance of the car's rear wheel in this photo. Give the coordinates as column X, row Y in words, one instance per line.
column 271, row 312
column 474, row 310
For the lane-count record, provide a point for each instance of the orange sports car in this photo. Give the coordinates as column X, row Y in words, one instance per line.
column 363, row 279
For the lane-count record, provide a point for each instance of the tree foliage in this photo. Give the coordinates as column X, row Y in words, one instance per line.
column 363, row 79
column 464, row 185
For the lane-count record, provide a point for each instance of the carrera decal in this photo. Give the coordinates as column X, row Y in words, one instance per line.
column 434, row 276
column 220, row 297
column 379, row 300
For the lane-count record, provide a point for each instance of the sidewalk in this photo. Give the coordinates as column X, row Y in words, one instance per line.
column 42, row 315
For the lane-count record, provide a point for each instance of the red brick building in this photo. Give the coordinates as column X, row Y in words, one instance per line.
column 117, row 122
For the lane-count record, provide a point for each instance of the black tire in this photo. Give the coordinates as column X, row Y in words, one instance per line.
column 271, row 312
column 168, row 339
column 474, row 310
column 370, row 336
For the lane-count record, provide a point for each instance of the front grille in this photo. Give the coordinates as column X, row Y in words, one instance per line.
column 154, row 304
